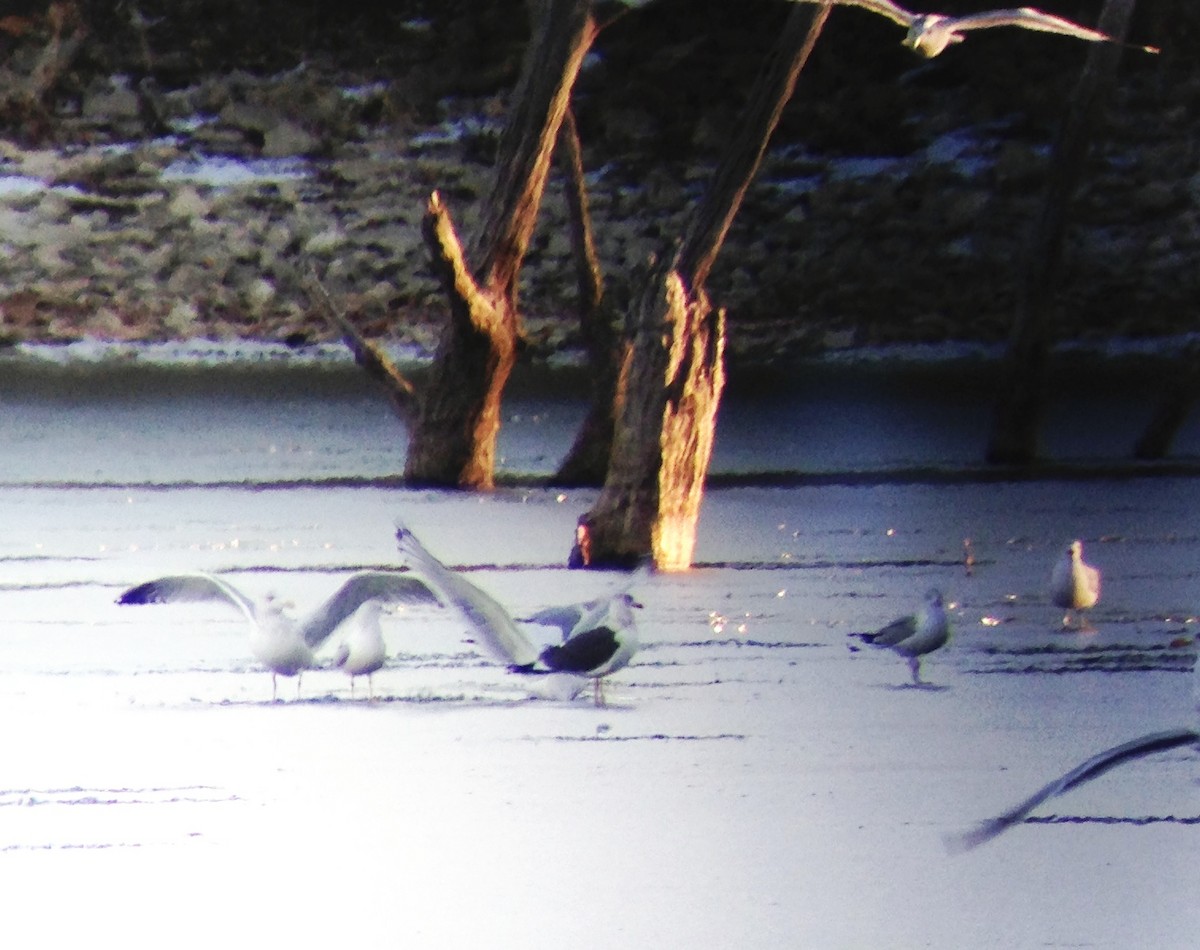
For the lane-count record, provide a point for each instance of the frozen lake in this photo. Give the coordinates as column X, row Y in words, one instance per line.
column 754, row 783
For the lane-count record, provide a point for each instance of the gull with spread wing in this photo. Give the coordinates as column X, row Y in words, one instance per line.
column 281, row 643
column 930, row 33
column 600, row 636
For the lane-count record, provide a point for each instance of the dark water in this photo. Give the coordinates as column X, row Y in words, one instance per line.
column 129, row 422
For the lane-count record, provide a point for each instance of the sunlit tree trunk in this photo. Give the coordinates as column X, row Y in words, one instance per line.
column 1018, row 412
column 453, row 440
column 672, row 374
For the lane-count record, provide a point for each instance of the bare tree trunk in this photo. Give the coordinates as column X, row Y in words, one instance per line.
column 1018, row 410
column 366, row 354
column 1177, row 402
column 454, row 438
column 587, row 460
column 673, row 372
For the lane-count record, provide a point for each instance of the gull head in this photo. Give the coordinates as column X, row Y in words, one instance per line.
column 622, row 608
column 276, row 607
column 929, row 35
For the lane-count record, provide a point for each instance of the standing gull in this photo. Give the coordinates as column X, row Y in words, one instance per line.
column 277, row 640
column 1074, row 584
column 916, row 635
column 930, row 33
column 363, row 652
column 602, row 641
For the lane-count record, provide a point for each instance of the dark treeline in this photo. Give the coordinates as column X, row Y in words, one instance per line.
column 675, row 60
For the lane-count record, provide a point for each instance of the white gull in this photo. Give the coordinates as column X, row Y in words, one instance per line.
column 1074, row 584
column 363, row 652
column 281, row 643
column 930, row 33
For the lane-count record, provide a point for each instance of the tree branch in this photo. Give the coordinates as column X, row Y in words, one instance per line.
column 366, row 354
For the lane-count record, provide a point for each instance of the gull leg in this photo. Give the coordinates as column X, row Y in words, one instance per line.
column 371, row 687
column 914, row 666
column 274, row 688
column 299, row 677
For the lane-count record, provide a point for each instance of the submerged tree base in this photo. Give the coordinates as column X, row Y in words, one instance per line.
column 671, row 383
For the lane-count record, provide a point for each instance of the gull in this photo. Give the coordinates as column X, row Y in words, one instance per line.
column 930, row 33
column 494, row 627
column 916, row 635
column 363, row 651
column 282, row 644
column 1074, row 584
column 602, row 640
column 574, row 618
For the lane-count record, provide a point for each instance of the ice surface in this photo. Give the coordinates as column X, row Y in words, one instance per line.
column 754, row 783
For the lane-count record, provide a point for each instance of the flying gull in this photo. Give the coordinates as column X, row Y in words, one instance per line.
column 1074, row 584
column 916, row 635
column 930, row 33
column 602, row 640
column 277, row 640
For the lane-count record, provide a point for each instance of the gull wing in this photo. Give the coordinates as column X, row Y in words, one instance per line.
column 1094, row 767
column 181, row 588
column 392, row 586
column 572, row 618
column 1028, row 19
column 496, row 630
column 895, row 632
column 884, row 8
column 583, row 652
column 566, row 617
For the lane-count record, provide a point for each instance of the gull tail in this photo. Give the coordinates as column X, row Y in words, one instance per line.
column 1094, row 767
column 528, row 669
